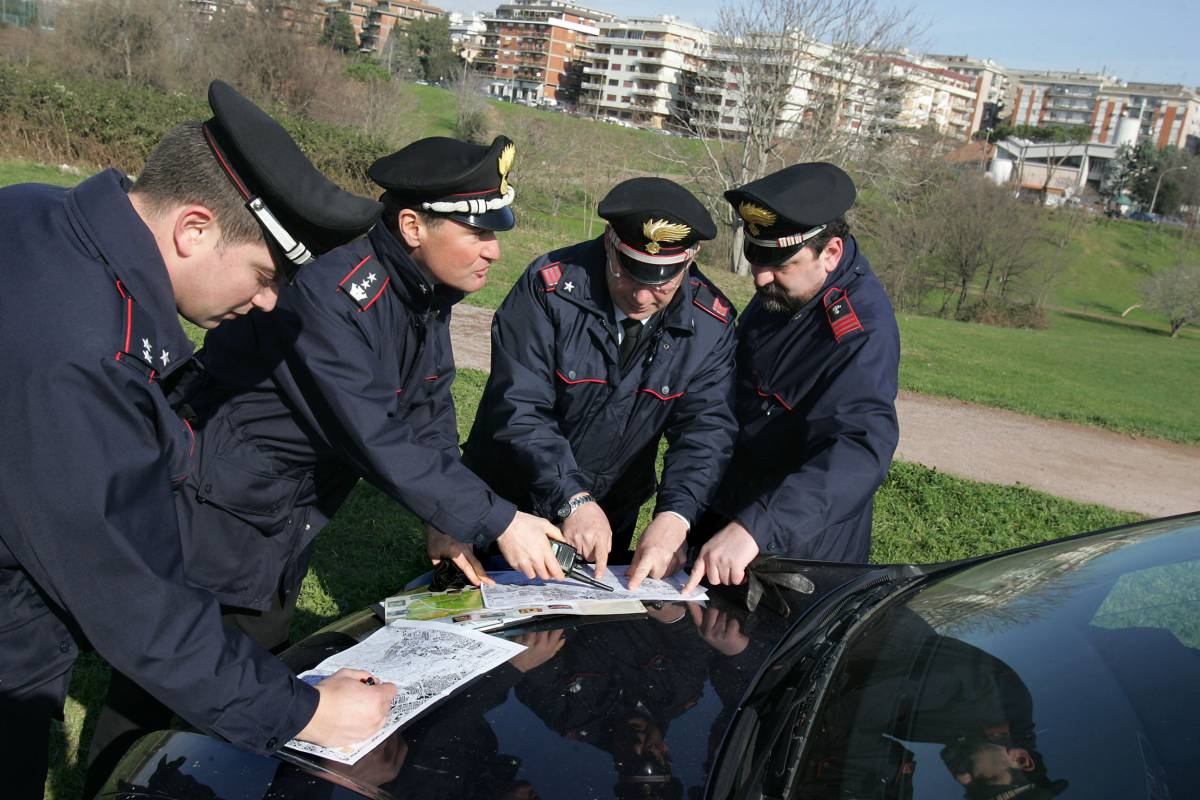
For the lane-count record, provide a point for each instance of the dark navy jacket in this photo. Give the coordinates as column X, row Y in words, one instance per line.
column 557, row 417
column 350, row 377
column 90, row 453
column 816, row 405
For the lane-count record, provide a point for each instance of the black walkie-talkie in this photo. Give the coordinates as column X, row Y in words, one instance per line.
column 572, row 563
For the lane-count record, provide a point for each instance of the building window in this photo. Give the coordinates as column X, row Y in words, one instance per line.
column 611, row 97
column 627, row 83
column 612, row 82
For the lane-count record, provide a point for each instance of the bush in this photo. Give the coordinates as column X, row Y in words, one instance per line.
column 99, row 121
column 1003, row 314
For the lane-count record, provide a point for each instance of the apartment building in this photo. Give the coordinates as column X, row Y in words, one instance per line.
column 644, row 70
column 916, row 93
column 466, row 34
column 994, row 85
column 374, row 21
column 1168, row 114
column 535, row 50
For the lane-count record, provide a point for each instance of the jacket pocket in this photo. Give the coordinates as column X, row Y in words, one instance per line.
column 238, row 479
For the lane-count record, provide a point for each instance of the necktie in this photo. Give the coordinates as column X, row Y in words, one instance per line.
column 632, row 329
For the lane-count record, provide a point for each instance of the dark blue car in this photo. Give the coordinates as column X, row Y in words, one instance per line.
column 1070, row 668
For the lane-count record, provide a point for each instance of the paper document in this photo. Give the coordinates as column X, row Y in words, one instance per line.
column 490, row 619
column 514, row 590
column 465, row 608
column 426, row 660
column 432, row 605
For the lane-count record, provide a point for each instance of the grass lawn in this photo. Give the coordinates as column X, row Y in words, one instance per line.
column 28, row 172
column 1089, row 370
column 373, row 547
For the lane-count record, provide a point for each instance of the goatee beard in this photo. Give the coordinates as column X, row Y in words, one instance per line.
column 775, row 300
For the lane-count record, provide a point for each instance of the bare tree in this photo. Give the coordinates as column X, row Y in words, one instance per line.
column 118, row 38
column 474, row 121
column 983, row 235
column 1174, row 293
column 786, row 81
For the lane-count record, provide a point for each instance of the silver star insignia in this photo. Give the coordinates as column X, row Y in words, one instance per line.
column 568, row 286
column 165, row 358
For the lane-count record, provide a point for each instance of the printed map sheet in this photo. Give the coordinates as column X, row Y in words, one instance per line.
column 465, row 609
column 426, row 660
column 514, row 590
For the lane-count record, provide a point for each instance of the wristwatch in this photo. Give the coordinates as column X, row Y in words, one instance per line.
column 568, row 508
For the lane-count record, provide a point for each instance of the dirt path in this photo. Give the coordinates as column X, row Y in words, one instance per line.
column 1148, row 476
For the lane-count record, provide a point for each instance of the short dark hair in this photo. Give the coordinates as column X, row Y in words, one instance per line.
column 182, row 170
column 837, row 228
column 392, row 206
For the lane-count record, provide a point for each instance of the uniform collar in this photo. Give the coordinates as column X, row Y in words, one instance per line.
column 111, row 229
column 583, row 283
column 848, row 270
column 407, row 279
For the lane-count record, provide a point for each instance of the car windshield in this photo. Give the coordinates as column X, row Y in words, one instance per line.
column 1074, row 666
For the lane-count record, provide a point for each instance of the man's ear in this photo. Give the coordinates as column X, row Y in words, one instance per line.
column 832, row 254
column 194, row 230
column 410, row 227
column 1021, row 759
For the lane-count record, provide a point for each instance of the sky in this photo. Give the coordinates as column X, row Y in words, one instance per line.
column 1152, row 40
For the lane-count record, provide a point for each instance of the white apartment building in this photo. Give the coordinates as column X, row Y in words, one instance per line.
column 643, row 70
column 993, row 84
column 925, row 94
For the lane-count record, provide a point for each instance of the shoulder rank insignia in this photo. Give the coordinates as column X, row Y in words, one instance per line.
column 137, row 347
column 362, row 285
column 840, row 313
column 705, row 299
column 551, row 275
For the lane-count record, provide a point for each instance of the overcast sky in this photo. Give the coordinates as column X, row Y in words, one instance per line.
column 1150, row 40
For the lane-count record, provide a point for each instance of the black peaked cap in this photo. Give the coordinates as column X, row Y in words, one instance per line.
column 467, row 182
column 657, row 224
column 779, row 209
column 263, row 161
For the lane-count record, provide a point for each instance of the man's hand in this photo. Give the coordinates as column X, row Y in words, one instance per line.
column 349, row 710
column 661, row 550
column 724, row 557
column 540, row 647
column 523, row 545
column 722, row 631
column 588, row 531
column 440, row 546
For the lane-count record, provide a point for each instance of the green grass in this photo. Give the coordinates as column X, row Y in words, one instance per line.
column 1088, row 370
column 1105, row 261
column 373, row 547
column 27, row 172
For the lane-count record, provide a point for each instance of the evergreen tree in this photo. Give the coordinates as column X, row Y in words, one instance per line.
column 339, row 33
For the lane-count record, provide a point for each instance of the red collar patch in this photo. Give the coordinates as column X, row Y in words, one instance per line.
column 551, row 276
column 841, row 316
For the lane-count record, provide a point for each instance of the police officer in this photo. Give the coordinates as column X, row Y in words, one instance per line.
column 349, row 378
column 599, row 349
column 94, row 278
column 818, row 353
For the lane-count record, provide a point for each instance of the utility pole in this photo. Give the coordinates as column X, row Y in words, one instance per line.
column 1158, row 184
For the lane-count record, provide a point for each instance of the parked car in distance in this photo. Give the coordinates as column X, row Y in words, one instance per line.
column 1070, row 668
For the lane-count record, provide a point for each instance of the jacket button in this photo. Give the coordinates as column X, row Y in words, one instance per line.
column 571, row 374
column 64, row 647
column 271, row 743
column 666, row 346
column 666, row 389
column 772, row 547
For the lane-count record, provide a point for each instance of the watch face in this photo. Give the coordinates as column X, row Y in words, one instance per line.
column 564, row 510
